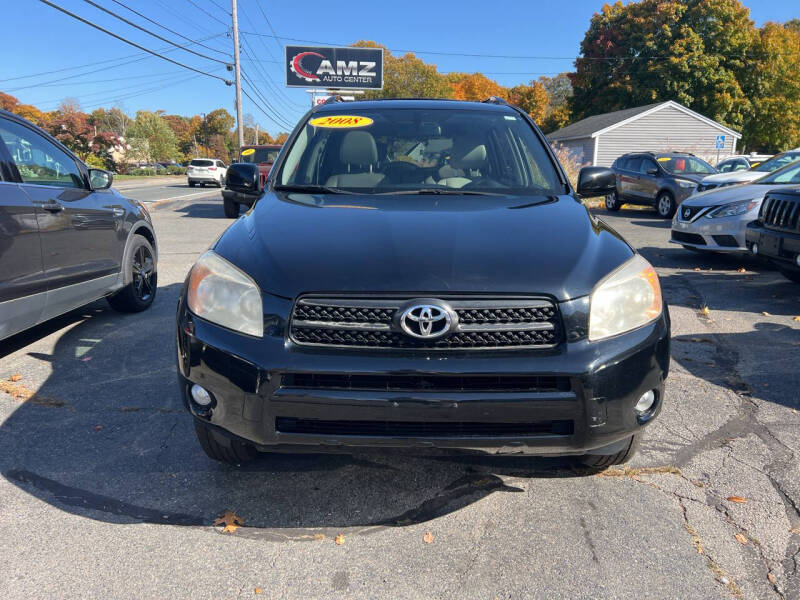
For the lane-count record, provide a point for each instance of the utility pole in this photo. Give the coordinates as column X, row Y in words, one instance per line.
column 255, row 141
column 238, row 70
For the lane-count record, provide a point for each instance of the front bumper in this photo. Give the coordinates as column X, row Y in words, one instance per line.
column 780, row 247
column 252, row 401
column 724, row 234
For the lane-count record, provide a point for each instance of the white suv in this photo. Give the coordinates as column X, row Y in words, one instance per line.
column 206, row 170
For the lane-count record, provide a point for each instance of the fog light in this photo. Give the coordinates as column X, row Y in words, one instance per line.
column 755, row 248
column 203, row 398
column 645, row 402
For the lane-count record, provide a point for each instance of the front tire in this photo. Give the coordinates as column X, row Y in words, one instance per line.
column 666, row 205
column 223, row 449
column 612, row 202
column 231, row 208
column 192, row 184
column 142, row 277
column 603, row 461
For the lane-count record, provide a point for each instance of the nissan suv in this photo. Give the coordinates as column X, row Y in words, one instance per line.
column 421, row 273
column 659, row 179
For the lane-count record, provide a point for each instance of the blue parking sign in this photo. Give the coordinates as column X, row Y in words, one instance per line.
column 720, row 143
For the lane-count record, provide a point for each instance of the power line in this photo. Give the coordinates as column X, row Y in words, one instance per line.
column 271, row 28
column 126, row 78
column 164, row 27
column 267, row 79
column 220, row 7
column 155, row 35
column 192, row 2
column 262, row 110
column 255, row 90
column 134, row 44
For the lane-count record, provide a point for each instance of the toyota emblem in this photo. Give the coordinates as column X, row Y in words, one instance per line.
column 426, row 321
column 686, row 213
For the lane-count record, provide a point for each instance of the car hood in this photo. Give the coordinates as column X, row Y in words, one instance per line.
column 730, row 194
column 294, row 243
column 734, row 177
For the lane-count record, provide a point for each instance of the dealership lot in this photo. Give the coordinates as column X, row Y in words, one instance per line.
column 106, row 493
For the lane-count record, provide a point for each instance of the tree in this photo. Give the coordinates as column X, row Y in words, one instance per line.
column 476, row 87
column 114, row 120
column 153, row 128
column 531, row 98
column 774, row 87
column 219, row 122
column 27, row 111
column 559, row 92
column 407, row 76
column 693, row 51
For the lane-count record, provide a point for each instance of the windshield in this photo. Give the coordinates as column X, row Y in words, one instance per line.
column 260, row 155
column 420, row 151
column 789, row 174
column 685, row 164
column 777, row 162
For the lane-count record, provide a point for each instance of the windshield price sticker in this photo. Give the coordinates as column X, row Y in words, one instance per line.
column 248, row 152
column 664, row 159
column 341, row 121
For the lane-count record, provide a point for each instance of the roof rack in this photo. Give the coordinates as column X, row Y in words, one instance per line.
column 495, row 100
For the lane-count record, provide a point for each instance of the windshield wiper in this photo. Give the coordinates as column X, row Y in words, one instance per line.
column 310, row 189
column 448, row 191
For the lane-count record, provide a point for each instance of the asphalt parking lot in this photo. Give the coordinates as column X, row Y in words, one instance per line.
column 105, row 492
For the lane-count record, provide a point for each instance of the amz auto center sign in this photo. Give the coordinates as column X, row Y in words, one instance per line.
column 336, row 68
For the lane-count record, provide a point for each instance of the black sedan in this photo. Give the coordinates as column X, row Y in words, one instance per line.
column 421, row 273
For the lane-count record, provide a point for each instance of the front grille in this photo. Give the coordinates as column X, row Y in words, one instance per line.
column 426, row 383
column 781, row 212
column 688, row 213
column 374, row 323
column 688, row 238
column 704, row 187
column 416, row 429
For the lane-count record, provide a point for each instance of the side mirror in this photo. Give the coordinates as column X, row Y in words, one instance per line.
column 243, row 178
column 596, row 181
column 100, row 179
column 652, row 171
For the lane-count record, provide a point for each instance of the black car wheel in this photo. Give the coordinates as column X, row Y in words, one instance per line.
column 191, row 184
column 140, row 272
column 791, row 275
column 612, row 202
column 222, row 448
column 231, row 208
column 665, row 205
column 603, row 461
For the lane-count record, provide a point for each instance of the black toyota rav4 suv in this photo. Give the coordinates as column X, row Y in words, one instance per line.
column 421, row 273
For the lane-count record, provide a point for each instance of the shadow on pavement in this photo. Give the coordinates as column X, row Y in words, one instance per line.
column 106, row 437
column 204, row 210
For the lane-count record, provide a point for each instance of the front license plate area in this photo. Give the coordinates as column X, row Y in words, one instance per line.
column 770, row 245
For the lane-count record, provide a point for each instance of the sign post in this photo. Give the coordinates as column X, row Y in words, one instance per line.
column 719, row 144
column 328, row 70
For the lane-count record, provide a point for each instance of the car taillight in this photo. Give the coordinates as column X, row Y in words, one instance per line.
column 212, row 168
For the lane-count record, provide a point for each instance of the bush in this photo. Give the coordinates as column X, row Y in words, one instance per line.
column 572, row 166
column 175, row 170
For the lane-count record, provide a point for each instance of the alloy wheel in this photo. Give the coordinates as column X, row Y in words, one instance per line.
column 143, row 268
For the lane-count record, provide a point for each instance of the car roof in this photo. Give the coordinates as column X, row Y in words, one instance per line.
column 267, row 146
column 651, row 153
column 420, row 103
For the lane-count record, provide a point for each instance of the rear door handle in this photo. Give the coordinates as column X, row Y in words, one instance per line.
column 52, row 206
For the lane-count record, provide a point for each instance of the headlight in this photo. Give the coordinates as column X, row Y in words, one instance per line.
column 685, row 183
column 222, row 294
column 733, row 209
column 624, row 300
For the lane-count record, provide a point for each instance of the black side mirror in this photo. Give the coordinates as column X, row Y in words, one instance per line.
column 596, row 181
column 244, row 178
column 100, row 179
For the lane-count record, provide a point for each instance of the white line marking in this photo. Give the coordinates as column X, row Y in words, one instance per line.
column 178, row 197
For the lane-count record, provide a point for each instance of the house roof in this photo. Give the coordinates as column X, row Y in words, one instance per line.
column 591, row 127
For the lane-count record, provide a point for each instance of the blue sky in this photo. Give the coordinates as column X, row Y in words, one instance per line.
column 37, row 38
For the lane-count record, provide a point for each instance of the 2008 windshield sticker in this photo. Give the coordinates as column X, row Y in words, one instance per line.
column 341, row 121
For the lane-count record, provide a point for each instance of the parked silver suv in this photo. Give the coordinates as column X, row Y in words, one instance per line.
column 662, row 180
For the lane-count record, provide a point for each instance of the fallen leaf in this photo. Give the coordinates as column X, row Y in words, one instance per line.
column 339, row 539
column 771, row 578
column 697, row 268
column 428, row 537
column 258, row 591
column 737, row 499
column 231, row 522
column 17, row 377
column 795, row 530
column 793, row 319
column 705, row 311
column 15, row 389
column 766, row 314
column 319, row 537
column 741, row 539
column 741, row 270
column 98, row 428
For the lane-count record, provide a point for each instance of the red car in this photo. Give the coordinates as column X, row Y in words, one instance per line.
column 264, row 155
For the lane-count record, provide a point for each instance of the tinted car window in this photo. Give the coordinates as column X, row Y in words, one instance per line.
column 38, row 160
column 647, row 165
column 202, row 163
column 685, row 164
column 411, row 149
column 789, row 174
column 633, row 163
column 259, row 155
column 777, row 162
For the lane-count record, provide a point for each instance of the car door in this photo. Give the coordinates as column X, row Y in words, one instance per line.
column 648, row 182
column 81, row 232
column 22, row 282
column 629, row 178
